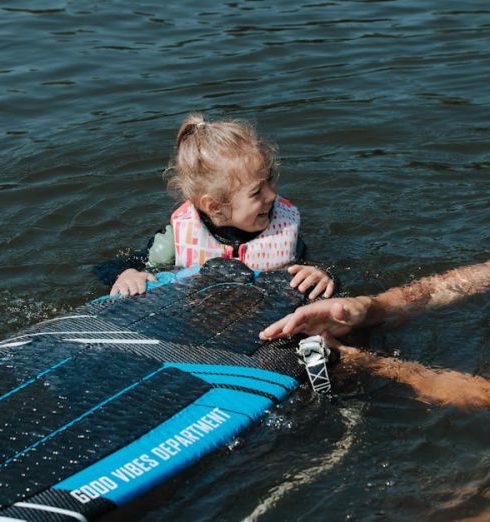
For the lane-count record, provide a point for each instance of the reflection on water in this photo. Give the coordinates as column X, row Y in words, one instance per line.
column 381, row 112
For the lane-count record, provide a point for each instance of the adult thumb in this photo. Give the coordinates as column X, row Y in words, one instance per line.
column 340, row 312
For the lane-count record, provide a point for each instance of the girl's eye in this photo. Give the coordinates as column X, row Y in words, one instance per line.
column 256, row 193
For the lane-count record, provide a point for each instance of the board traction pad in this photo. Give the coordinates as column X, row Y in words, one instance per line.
column 100, row 405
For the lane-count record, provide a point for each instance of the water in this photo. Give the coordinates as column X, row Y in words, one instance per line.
column 381, row 111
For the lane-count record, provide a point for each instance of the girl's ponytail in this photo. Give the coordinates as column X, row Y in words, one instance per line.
column 189, row 127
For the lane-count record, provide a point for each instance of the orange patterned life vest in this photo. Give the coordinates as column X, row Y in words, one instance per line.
column 272, row 248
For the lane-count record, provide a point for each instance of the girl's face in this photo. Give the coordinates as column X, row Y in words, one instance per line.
column 252, row 203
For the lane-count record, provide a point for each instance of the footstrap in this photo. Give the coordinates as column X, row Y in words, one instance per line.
column 314, row 354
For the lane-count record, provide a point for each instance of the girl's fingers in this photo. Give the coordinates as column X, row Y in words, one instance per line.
column 305, row 276
column 308, row 282
column 132, row 284
column 302, row 272
column 296, row 280
column 330, row 289
column 295, row 269
column 319, row 288
column 141, row 284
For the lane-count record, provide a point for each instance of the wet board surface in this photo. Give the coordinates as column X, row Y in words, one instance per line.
column 100, row 405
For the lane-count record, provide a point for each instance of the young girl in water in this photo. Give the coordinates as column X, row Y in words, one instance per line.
column 227, row 177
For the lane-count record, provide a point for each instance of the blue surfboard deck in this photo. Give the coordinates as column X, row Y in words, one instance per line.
column 100, row 405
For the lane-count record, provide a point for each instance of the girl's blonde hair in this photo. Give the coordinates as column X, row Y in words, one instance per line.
column 215, row 157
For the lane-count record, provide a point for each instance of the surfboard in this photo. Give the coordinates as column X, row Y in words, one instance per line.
column 100, row 405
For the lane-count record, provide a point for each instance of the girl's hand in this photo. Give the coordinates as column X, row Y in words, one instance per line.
column 307, row 276
column 132, row 282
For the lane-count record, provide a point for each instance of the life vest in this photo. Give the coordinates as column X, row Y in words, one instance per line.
column 272, row 248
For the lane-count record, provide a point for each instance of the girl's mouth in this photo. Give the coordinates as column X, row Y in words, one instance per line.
column 267, row 213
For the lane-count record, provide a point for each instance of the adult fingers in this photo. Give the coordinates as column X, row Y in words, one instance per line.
column 275, row 329
column 296, row 322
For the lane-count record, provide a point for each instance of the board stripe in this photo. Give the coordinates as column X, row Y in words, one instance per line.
column 80, row 417
column 52, row 509
column 230, row 374
column 271, row 397
column 88, row 340
column 35, row 378
column 70, row 332
column 279, row 379
column 14, row 344
column 243, row 382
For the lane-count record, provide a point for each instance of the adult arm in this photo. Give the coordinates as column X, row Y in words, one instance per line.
column 436, row 386
column 340, row 315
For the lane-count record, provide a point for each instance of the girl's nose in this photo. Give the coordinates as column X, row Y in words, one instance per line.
column 270, row 193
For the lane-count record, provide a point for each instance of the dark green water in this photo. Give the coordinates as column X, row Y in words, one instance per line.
column 381, row 110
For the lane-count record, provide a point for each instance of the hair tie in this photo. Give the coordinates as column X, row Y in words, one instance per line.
column 188, row 130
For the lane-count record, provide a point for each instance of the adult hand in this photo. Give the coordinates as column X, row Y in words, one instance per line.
column 306, row 277
column 337, row 316
column 132, row 282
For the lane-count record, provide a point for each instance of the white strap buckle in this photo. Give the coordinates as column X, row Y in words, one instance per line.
column 314, row 355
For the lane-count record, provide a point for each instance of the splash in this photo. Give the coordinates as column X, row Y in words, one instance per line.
column 21, row 311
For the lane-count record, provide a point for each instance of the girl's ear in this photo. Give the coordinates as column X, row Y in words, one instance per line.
column 209, row 206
